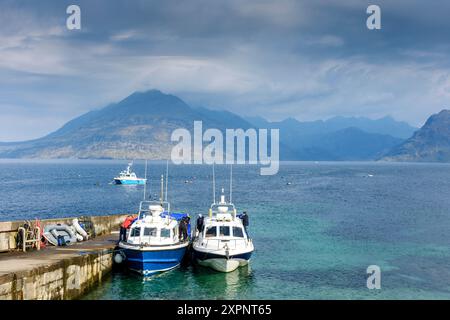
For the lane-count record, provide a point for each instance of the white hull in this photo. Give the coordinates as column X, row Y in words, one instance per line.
column 217, row 259
column 223, row 265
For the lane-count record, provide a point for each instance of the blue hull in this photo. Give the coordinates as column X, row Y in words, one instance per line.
column 129, row 182
column 151, row 262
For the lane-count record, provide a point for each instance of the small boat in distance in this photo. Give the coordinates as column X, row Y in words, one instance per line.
column 129, row 177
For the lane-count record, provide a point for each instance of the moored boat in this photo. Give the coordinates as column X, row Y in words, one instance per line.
column 153, row 244
column 222, row 242
column 157, row 240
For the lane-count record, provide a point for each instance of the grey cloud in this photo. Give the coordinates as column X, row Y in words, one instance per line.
column 306, row 59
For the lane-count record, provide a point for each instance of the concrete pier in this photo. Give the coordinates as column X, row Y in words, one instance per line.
column 59, row 272
column 102, row 225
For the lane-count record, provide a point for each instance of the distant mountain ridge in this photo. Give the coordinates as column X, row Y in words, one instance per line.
column 140, row 126
column 346, row 144
column 431, row 143
column 386, row 125
column 339, row 138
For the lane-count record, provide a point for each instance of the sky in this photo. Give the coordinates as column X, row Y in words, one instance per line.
column 276, row 59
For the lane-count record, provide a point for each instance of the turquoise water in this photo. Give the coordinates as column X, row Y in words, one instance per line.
column 314, row 238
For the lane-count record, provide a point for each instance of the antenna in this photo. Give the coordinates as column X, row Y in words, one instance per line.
column 167, row 176
column 214, row 185
column 145, row 181
column 231, row 183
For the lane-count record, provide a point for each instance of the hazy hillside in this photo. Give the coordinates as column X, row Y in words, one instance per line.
column 430, row 143
column 139, row 126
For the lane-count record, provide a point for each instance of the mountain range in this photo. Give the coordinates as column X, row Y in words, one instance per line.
column 339, row 138
column 140, row 126
column 137, row 127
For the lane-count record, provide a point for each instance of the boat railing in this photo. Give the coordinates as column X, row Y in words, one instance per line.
column 216, row 211
column 144, row 207
column 215, row 207
column 221, row 242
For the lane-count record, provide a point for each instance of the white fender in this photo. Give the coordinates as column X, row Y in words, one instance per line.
column 118, row 258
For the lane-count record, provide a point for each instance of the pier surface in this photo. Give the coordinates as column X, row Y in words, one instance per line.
column 56, row 272
column 65, row 272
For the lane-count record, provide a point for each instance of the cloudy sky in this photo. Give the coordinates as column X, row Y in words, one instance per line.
column 280, row 58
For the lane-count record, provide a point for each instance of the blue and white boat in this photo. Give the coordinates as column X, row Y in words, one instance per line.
column 153, row 243
column 128, row 177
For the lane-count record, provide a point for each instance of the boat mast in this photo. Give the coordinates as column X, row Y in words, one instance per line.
column 167, row 176
column 161, row 199
column 231, row 183
column 214, row 185
column 145, row 181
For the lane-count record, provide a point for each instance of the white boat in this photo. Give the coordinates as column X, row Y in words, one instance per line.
column 127, row 176
column 222, row 243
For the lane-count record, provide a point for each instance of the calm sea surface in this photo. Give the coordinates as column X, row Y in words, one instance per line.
column 314, row 237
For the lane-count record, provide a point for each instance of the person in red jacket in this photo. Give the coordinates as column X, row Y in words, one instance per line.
column 125, row 226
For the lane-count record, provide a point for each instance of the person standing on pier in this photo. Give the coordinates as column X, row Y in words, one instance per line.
column 125, row 226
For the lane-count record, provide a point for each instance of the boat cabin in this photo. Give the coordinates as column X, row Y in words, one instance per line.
column 222, row 230
column 153, row 233
column 153, row 226
column 127, row 173
column 223, row 226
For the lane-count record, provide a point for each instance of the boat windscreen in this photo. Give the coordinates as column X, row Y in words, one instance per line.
column 165, row 233
column 150, row 232
column 135, row 232
column 211, row 232
column 224, row 231
column 237, row 232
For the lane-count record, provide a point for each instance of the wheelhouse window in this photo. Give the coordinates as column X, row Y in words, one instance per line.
column 237, row 232
column 135, row 232
column 143, row 214
column 150, row 232
column 224, row 231
column 211, row 232
column 165, row 233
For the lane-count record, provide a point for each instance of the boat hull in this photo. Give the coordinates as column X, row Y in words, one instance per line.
column 221, row 263
column 129, row 181
column 148, row 262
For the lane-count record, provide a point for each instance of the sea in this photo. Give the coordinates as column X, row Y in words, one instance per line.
column 316, row 226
